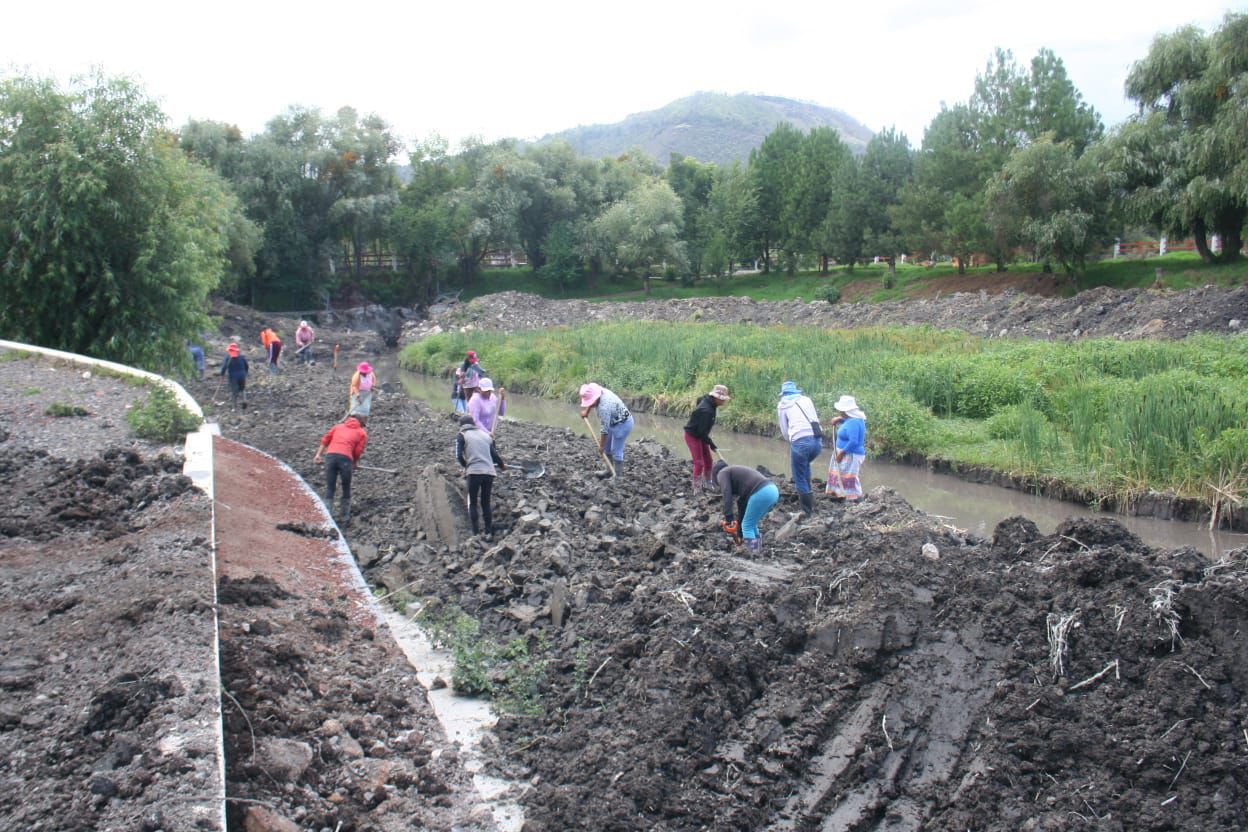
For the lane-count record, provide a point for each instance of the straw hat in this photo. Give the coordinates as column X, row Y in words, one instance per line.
column 720, row 392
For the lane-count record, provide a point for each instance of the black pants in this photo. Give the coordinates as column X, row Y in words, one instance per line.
column 479, row 488
column 338, row 466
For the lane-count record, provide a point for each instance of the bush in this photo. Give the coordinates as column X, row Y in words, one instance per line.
column 60, row 411
column 1006, row 423
column 896, row 424
column 160, row 418
column 828, row 293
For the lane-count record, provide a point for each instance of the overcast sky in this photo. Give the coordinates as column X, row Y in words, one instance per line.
column 524, row 69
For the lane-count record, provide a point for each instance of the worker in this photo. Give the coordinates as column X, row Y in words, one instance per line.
column 698, row 435
column 755, row 495
column 484, row 408
column 799, row 425
column 234, row 368
column 477, row 454
column 851, row 451
column 614, row 418
column 197, row 358
column 304, row 336
column 471, row 373
column 272, row 347
column 342, row 446
column 361, row 392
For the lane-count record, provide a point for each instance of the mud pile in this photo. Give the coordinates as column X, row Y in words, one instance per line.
column 1101, row 312
column 106, row 667
column 871, row 669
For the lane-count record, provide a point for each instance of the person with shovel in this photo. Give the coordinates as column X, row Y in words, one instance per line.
column 799, row 424
column 755, row 495
column 272, row 347
column 477, row 454
column 304, row 336
column 341, row 446
column 484, row 408
column 614, row 418
column 470, row 375
column 234, row 369
column 698, row 435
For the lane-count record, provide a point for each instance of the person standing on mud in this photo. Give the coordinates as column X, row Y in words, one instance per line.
column 477, row 455
column 799, row 425
column 615, row 419
column 304, row 336
column 197, row 358
column 342, row 446
column 484, row 408
column 272, row 347
column 851, row 451
column 234, row 368
column 755, row 496
column 361, row 393
column 698, row 435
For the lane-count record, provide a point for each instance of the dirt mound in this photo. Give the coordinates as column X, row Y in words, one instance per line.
column 1133, row 313
column 871, row 669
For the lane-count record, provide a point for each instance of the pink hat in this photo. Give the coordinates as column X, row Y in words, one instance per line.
column 590, row 393
column 232, row 349
column 720, row 392
column 365, row 367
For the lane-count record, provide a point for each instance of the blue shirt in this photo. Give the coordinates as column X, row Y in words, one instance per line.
column 851, row 437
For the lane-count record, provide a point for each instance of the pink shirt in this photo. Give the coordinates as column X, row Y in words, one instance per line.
column 485, row 411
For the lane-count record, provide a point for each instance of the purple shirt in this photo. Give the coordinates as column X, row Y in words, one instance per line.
column 485, row 411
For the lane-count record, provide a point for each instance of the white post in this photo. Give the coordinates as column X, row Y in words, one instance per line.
column 1117, row 247
column 1161, row 245
column 1215, row 245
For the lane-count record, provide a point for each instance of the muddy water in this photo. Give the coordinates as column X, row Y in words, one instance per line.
column 972, row 506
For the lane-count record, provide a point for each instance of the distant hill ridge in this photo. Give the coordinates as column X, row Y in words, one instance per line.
column 709, row 126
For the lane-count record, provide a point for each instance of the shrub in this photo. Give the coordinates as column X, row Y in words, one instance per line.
column 897, row 424
column 828, row 293
column 160, row 418
column 58, row 410
column 1006, row 423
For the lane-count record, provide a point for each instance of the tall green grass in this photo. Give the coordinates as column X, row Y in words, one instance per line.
column 1113, row 415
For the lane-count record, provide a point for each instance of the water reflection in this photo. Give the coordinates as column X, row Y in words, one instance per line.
column 977, row 508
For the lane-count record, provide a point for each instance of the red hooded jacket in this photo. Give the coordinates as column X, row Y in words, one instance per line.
column 346, row 438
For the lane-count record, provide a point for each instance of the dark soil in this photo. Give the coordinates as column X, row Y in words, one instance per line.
column 842, row 679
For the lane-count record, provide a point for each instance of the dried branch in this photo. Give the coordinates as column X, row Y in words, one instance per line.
column 1059, row 627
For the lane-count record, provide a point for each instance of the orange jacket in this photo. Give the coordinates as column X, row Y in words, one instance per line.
column 346, row 438
column 268, row 336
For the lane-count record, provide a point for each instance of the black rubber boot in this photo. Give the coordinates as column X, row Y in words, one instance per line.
column 807, row 500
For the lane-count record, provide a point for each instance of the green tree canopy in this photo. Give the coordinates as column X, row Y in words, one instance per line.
column 110, row 237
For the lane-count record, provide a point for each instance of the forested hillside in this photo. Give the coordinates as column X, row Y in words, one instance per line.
column 710, row 127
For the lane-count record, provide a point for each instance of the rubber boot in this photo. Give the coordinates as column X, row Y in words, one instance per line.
column 754, row 544
column 618, row 465
column 807, row 499
column 344, row 514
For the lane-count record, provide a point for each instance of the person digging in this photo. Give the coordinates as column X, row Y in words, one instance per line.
column 342, row 446
column 755, row 495
column 477, row 454
column 234, row 368
column 698, row 435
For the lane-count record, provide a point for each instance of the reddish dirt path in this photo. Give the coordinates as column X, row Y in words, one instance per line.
column 255, row 494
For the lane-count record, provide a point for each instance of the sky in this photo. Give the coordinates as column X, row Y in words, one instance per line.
column 525, row 69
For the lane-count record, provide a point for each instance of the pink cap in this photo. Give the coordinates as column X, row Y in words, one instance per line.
column 590, row 393
column 365, row 367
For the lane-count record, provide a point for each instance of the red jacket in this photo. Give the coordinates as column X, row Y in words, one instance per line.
column 346, row 438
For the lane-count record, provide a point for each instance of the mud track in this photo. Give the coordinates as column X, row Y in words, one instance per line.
column 842, row 680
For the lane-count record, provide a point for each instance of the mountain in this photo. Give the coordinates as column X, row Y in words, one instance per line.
column 709, row 126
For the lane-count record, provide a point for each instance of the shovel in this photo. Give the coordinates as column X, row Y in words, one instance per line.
column 601, row 452
column 532, row 468
column 363, row 467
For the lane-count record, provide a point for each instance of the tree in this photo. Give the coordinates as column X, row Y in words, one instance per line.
column 887, row 166
column 1057, row 201
column 730, row 206
column 1183, row 153
column 773, row 167
column 110, row 237
column 821, row 157
column 1055, row 108
column 692, row 181
column 643, row 229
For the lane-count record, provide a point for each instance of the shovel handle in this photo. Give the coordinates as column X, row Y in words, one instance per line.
column 721, row 456
column 601, row 452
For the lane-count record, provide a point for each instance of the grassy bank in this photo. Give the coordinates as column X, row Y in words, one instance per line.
column 1108, row 415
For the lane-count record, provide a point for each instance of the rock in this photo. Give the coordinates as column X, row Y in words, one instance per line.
column 1013, row 533
column 558, row 602
column 1235, row 323
column 264, row 819
column 284, row 760
column 350, row 748
column 930, row 551
column 367, row 554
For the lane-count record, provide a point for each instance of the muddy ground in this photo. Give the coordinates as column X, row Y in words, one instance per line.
column 839, row 680
column 107, row 689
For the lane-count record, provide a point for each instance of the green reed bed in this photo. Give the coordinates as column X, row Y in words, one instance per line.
column 1111, row 415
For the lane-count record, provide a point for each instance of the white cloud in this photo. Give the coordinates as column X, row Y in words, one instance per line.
column 494, row 68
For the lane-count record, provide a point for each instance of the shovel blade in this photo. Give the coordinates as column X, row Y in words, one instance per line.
column 532, row 468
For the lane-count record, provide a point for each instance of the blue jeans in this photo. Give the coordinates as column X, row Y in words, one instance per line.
column 615, row 439
column 801, row 453
column 761, row 502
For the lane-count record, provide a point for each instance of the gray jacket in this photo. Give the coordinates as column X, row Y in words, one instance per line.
column 474, row 450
